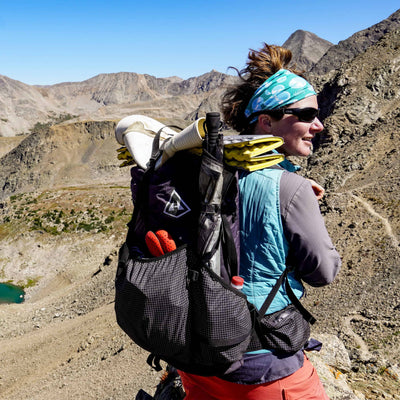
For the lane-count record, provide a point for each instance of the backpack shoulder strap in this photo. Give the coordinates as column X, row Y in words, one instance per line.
column 141, row 199
column 297, row 303
column 293, row 298
column 271, row 295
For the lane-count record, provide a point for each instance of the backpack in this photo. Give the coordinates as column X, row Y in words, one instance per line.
column 180, row 306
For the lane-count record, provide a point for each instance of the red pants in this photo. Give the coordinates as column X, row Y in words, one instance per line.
column 304, row 384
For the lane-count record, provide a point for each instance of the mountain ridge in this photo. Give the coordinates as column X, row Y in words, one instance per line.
column 347, row 49
column 97, row 97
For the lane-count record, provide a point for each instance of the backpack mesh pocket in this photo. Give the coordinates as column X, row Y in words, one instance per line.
column 152, row 303
column 182, row 312
column 222, row 322
column 285, row 331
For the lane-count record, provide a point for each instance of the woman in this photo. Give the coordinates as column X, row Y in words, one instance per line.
column 280, row 225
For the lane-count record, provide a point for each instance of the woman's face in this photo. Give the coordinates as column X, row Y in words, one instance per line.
column 296, row 134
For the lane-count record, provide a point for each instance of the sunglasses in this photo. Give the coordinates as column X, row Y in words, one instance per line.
column 306, row 114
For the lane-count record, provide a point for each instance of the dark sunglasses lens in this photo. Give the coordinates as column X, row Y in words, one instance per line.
column 306, row 114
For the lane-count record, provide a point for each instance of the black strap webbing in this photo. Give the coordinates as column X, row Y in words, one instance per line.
column 229, row 250
column 296, row 302
column 154, row 362
column 271, row 295
column 293, row 298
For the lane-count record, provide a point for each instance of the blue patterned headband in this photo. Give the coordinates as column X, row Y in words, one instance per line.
column 279, row 90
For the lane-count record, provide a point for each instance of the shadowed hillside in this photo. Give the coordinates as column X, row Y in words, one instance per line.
column 62, row 155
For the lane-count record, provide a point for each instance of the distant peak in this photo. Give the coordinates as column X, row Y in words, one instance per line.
column 306, row 47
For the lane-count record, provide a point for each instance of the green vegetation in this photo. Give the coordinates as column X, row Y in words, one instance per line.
column 67, row 211
column 30, row 282
column 53, row 214
column 56, row 221
column 53, row 120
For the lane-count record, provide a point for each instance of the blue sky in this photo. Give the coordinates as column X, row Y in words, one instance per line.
column 46, row 42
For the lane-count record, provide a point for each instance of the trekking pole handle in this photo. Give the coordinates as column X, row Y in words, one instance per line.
column 213, row 123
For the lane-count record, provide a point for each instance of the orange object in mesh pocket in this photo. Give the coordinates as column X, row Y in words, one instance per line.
column 159, row 243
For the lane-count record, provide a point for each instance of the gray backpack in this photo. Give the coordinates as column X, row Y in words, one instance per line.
column 180, row 306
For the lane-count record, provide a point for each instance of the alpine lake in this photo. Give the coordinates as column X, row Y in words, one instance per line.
column 10, row 293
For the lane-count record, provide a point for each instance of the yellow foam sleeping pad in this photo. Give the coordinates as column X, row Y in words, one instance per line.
column 248, row 152
column 252, row 152
column 123, row 154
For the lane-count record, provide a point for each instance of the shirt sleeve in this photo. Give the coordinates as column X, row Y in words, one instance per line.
column 311, row 251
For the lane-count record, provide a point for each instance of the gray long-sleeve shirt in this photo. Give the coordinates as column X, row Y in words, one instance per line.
column 311, row 251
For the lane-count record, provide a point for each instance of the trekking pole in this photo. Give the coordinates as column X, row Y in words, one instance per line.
column 212, row 125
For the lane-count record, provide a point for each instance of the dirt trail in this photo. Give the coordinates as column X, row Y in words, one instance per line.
column 364, row 350
column 385, row 222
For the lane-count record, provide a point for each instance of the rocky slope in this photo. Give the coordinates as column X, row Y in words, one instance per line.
column 62, row 155
column 21, row 106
